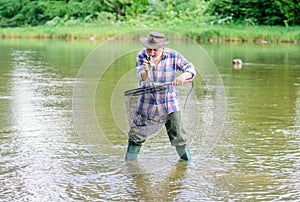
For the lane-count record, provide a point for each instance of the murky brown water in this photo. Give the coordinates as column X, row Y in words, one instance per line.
column 63, row 125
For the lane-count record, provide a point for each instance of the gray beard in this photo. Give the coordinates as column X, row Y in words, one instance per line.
column 156, row 58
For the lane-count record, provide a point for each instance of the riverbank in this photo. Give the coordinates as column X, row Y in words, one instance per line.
column 203, row 33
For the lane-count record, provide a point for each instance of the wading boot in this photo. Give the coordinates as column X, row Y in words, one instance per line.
column 132, row 152
column 184, row 153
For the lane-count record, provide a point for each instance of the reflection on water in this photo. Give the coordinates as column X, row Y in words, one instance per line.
column 43, row 158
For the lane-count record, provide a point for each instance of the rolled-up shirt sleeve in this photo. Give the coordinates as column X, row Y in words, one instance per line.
column 184, row 66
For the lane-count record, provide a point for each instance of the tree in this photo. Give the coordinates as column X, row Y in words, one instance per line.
column 38, row 12
column 272, row 12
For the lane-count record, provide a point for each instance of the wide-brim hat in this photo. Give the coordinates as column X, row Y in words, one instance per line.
column 155, row 40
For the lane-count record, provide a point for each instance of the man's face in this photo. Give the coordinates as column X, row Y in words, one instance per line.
column 154, row 53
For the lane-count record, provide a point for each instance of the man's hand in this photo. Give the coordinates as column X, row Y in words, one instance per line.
column 147, row 68
column 182, row 78
column 147, row 65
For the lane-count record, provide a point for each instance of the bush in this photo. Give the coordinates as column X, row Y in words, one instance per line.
column 15, row 13
column 261, row 12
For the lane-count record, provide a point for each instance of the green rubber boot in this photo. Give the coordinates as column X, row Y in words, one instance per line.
column 184, row 153
column 132, row 152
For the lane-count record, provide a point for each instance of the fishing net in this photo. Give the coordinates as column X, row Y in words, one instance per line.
column 147, row 108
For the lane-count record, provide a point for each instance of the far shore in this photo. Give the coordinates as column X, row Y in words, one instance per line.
column 216, row 33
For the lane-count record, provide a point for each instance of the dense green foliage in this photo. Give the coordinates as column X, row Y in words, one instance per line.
column 261, row 12
column 16, row 13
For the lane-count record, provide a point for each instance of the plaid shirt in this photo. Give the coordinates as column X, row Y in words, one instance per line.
column 165, row 101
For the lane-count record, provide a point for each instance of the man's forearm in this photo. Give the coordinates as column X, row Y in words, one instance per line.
column 186, row 75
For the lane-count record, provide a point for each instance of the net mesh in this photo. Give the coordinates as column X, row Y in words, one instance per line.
column 143, row 112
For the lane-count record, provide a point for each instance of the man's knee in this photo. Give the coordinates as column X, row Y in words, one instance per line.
column 135, row 138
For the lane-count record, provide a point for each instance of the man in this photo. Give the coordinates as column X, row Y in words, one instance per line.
column 157, row 65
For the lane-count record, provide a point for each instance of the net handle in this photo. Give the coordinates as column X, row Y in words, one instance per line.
column 146, row 89
column 151, row 88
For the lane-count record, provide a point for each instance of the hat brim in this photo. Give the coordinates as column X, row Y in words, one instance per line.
column 145, row 42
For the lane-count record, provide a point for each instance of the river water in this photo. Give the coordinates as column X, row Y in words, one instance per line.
column 63, row 124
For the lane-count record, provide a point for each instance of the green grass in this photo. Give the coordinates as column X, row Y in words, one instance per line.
column 260, row 34
column 206, row 33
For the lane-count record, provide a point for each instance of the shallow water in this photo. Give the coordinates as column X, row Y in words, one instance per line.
column 63, row 137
